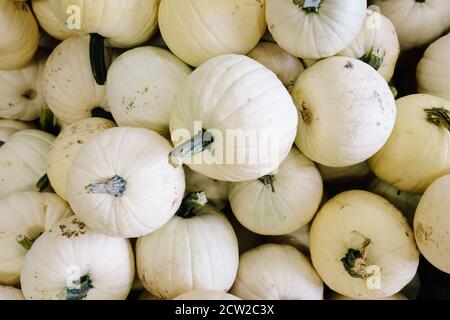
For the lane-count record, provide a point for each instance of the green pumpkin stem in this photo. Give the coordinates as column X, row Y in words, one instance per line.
column 97, row 58
column 373, row 58
column 308, row 6
column 24, row 241
column 43, row 183
column 439, row 117
column 198, row 144
column 268, row 180
column 79, row 289
column 115, row 186
column 191, row 204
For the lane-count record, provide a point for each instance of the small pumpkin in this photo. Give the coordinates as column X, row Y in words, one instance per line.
column 125, row 189
column 23, row 161
column 9, row 127
column 200, row 252
column 432, row 224
column 19, row 35
column 198, row 30
column 362, row 246
column 72, row 262
column 10, row 293
column 65, row 147
column 206, row 295
column 281, row 202
column 21, row 93
column 23, row 217
column 314, row 29
column 141, row 86
column 343, row 120
column 276, row 272
column 421, row 133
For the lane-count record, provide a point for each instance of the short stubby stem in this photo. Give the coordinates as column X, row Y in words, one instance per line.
column 191, row 204
column 30, row 94
column 97, row 58
column 198, row 144
column 268, row 180
column 310, row 6
column 374, row 58
column 24, row 241
column 115, row 186
column 439, row 117
column 79, row 289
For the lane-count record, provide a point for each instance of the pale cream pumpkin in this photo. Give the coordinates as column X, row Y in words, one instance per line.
column 65, row 147
column 206, row 295
column 287, row 68
column 10, row 293
column 433, row 71
column 72, row 262
column 19, row 35
column 276, row 272
column 69, row 87
column 200, row 252
column 356, row 172
column 346, row 111
column 314, row 30
column 421, row 139
column 121, row 183
column 362, row 246
column 141, row 86
column 298, row 239
column 23, row 217
column 198, row 30
column 21, row 93
column 281, row 202
column 9, row 127
column 23, row 160
column 432, row 224
column 376, row 44
column 245, row 111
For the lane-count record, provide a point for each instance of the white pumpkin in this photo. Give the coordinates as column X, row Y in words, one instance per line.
column 418, row 22
column 314, row 29
column 287, row 67
column 346, row 111
column 21, row 94
column 376, row 44
column 362, row 246
column 206, row 295
column 141, row 86
column 404, row 201
column 432, row 224
column 298, row 239
column 421, row 139
column 216, row 191
column 433, row 71
column 198, row 30
column 245, row 111
column 65, row 147
column 200, row 251
column 23, row 161
column 337, row 296
column 72, row 262
column 49, row 22
column 9, row 127
column 10, row 293
column 276, row 272
column 23, row 217
column 125, row 189
column 356, row 172
column 69, row 87
column 281, row 202
column 19, row 37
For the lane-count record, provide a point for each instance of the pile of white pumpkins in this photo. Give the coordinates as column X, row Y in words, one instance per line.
column 101, row 204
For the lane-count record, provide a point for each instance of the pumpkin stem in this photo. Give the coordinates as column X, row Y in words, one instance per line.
column 79, row 289
column 373, row 58
column 24, row 241
column 47, row 122
column 306, row 113
column 43, row 183
column 355, row 261
column 199, row 143
column 268, row 180
column 191, row 204
column 97, row 57
column 439, row 117
column 115, row 186
column 30, row 94
column 99, row 112
column 310, row 6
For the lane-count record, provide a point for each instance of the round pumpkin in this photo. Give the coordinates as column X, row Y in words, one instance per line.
column 21, row 94
column 232, row 120
column 9, row 127
column 346, row 111
column 19, row 35
column 269, row 206
column 432, row 224
column 362, row 246
column 206, row 295
column 376, row 44
column 421, row 139
column 65, row 147
column 198, row 30
column 314, row 29
column 200, row 251
column 72, row 262
column 23, row 217
column 141, row 86
column 10, row 293
column 433, row 71
column 276, row 272
column 23, row 161
column 125, row 189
